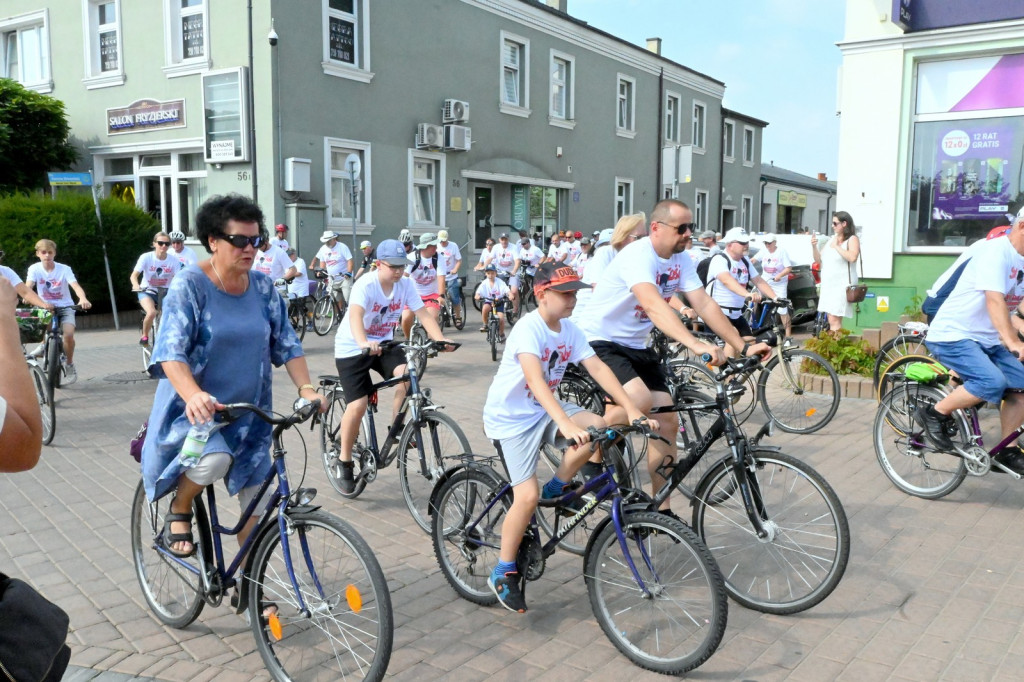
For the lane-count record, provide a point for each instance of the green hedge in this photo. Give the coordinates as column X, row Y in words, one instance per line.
column 70, row 221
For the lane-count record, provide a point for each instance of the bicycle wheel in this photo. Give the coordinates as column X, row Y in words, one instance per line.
column 44, row 396
column 804, row 556
column 330, row 427
column 581, row 391
column 347, row 629
column 323, row 315
column 792, row 396
column 170, row 589
column 895, row 372
column 695, row 375
column 444, row 446
column 912, row 465
column 529, row 302
column 894, row 349
column 492, row 338
column 53, row 368
column 676, row 620
column 466, row 557
column 297, row 318
column 418, row 335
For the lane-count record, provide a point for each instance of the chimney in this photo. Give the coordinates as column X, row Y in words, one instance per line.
column 560, row 5
column 823, row 177
column 654, row 45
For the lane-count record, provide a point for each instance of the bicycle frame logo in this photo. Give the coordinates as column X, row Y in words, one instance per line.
column 576, row 518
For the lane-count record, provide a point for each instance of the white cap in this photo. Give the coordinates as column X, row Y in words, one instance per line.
column 365, row 245
column 768, row 238
column 442, row 235
column 605, row 236
column 736, row 234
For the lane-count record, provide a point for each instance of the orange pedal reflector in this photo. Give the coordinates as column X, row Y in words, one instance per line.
column 275, row 626
column 354, row 598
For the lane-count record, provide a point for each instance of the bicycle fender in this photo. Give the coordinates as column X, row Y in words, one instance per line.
column 497, row 479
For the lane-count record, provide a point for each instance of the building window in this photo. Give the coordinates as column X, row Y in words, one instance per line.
column 700, row 210
column 699, row 124
column 748, row 146
column 226, row 115
column 426, row 188
column 187, row 37
column 339, row 183
column 103, row 66
column 26, row 50
column 623, row 197
column 746, row 213
column 543, row 210
column 563, row 83
column 625, row 119
column 515, row 75
column 729, row 140
column 672, row 117
column 346, row 37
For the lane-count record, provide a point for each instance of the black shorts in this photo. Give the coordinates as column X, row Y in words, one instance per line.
column 354, row 372
column 629, row 363
column 741, row 325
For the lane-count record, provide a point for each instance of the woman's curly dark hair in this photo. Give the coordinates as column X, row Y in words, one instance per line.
column 213, row 216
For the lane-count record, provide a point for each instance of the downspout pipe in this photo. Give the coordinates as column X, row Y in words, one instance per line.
column 252, row 111
column 764, row 181
column 661, row 133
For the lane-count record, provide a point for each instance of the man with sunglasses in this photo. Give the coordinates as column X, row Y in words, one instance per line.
column 156, row 268
column 729, row 275
column 336, row 258
column 636, row 292
column 485, row 255
column 273, row 262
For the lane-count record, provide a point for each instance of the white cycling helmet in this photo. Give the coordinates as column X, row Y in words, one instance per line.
column 177, row 236
column 405, row 236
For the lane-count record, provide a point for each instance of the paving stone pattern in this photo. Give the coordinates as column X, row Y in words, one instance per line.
column 933, row 591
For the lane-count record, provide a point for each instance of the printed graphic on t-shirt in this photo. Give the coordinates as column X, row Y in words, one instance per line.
column 554, row 362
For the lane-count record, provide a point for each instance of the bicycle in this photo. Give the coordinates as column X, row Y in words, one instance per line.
column 653, row 585
column 52, row 359
column 909, row 340
column 494, row 323
column 526, row 298
column 328, row 302
column 158, row 293
column 297, row 310
column 451, row 314
column 316, row 598
column 425, row 440
column 31, row 329
column 511, row 312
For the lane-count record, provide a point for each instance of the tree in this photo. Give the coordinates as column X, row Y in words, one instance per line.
column 33, row 138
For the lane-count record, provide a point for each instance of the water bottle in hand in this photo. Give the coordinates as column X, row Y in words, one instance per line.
column 195, row 442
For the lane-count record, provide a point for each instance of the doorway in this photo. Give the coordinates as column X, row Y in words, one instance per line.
column 482, row 212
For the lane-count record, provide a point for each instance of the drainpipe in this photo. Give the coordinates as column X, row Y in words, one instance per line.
column 252, row 111
column 828, row 211
column 661, row 132
column 760, row 208
column 721, row 170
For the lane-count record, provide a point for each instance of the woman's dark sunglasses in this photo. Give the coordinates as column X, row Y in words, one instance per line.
column 162, row 243
column 240, row 240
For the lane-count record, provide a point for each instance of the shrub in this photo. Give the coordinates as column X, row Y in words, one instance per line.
column 846, row 355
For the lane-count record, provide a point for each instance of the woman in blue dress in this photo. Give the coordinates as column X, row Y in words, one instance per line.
column 223, row 327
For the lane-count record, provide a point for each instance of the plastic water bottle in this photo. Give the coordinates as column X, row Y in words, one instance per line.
column 195, row 442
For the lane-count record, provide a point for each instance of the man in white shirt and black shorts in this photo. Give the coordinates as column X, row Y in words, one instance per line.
column 729, row 274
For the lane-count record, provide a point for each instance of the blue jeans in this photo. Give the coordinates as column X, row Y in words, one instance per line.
column 453, row 286
column 988, row 371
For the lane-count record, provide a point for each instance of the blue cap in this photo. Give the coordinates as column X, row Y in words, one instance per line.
column 392, row 252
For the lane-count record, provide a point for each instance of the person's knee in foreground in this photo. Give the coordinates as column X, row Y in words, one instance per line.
column 522, row 412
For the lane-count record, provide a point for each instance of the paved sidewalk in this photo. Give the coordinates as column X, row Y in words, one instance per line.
column 933, row 590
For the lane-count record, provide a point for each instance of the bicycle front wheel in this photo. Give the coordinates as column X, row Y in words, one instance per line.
column 171, row 586
column 347, row 627
column 675, row 620
column 799, row 390
column 805, row 553
column 323, row 315
column 330, row 444
column 906, row 459
column 44, row 396
column 492, row 338
column 444, row 445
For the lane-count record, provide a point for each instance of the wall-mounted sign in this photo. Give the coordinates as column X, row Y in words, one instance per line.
column 222, row 150
column 144, row 115
column 520, row 207
column 903, row 14
column 791, row 198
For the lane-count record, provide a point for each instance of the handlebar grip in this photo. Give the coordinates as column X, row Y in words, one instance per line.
column 705, row 357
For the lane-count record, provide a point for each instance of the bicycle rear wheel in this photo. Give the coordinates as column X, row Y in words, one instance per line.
column 793, row 395
column 347, row 629
column 44, row 396
column 170, row 588
column 297, row 318
column 53, row 368
column 330, row 427
column 444, row 446
column 675, row 621
column 580, row 391
column 805, row 554
column 695, row 375
column 323, row 315
column 894, row 374
column 894, row 349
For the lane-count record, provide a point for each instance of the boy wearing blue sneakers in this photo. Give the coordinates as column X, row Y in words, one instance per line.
column 522, row 412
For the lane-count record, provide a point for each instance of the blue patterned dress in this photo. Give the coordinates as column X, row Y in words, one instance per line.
column 229, row 342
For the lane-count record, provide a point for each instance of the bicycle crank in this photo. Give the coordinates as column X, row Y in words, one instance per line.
column 978, row 461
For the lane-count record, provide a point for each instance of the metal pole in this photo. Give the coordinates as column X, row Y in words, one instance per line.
column 106, row 261
column 355, row 197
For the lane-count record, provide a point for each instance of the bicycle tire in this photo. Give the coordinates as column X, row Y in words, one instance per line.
column 171, row 591
column 492, row 338
column 466, row 559
column 808, row 548
column 297, row 318
column 44, row 396
column 348, row 631
column 793, row 406
column 511, row 314
column 323, row 315
column 448, row 446
column 894, row 349
column 53, row 368
column 418, row 335
column 905, row 458
column 677, row 624
column 895, row 372
column 330, row 426
column 583, row 392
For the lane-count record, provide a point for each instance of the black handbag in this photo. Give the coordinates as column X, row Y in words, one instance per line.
column 855, row 293
column 32, row 634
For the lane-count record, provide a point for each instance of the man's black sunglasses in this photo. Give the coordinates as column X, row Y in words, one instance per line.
column 681, row 228
column 163, row 243
column 240, row 240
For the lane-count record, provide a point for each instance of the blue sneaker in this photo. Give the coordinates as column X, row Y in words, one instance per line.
column 508, row 591
column 573, row 505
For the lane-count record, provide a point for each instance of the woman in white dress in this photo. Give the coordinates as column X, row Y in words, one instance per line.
column 838, row 260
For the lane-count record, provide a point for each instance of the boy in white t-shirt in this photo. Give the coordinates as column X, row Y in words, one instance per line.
column 54, row 282
column 522, row 412
column 490, row 292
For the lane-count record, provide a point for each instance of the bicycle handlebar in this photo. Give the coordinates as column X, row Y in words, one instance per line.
column 612, row 432
column 232, row 411
column 429, row 345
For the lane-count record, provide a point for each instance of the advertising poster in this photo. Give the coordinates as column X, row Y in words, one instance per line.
column 972, row 162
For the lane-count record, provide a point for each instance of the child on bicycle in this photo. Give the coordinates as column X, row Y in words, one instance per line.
column 54, row 282
column 489, row 292
column 522, row 412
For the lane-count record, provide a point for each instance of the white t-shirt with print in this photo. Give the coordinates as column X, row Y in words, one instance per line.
column 187, row 256
column 557, row 251
column 613, row 313
column 485, row 253
column 279, row 243
column 595, row 266
column 273, row 262
column 488, row 291
column 452, row 255
column 156, row 272
column 380, row 313
column 573, row 249
column 771, row 265
column 10, row 275
column 532, row 256
column 504, row 258
column 53, row 287
column 511, row 408
column 300, row 285
column 425, row 275
column 731, row 303
column 995, row 267
column 335, row 259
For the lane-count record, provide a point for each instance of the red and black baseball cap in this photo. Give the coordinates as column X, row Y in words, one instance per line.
column 557, row 277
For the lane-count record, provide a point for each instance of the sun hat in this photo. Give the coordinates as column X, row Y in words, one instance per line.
column 365, row 244
column 736, row 234
column 442, row 235
column 769, row 238
column 327, row 236
column 605, row 236
column 557, row 277
column 392, row 252
column 427, row 239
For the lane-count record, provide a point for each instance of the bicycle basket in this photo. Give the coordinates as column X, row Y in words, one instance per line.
column 32, row 324
column 924, row 372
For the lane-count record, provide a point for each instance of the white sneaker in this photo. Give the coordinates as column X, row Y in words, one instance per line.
column 37, row 352
column 70, row 374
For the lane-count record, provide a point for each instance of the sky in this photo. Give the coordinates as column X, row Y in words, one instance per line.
column 777, row 58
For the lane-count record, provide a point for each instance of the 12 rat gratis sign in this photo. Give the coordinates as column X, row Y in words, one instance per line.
column 145, row 115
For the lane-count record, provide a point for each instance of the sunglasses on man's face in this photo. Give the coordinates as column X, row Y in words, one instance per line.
column 681, row 228
column 240, row 240
column 162, row 243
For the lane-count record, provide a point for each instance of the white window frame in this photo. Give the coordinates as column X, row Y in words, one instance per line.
column 437, row 159
column 567, row 118
column 38, row 20
column 360, row 71
column 94, row 76
column 699, row 128
column 729, row 140
column 364, row 223
column 625, row 106
column 673, row 106
column 700, row 209
column 522, row 107
column 747, row 212
column 623, row 197
column 175, row 63
column 748, row 150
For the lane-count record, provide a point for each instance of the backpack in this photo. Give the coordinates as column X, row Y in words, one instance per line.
column 702, row 267
column 932, row 304
column 433, row 259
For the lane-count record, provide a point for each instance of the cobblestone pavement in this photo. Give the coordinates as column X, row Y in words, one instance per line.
column 933, row 590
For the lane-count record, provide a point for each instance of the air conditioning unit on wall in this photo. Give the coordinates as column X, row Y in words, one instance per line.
column 429, row 136
column 457, row 138
column 455, row 111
